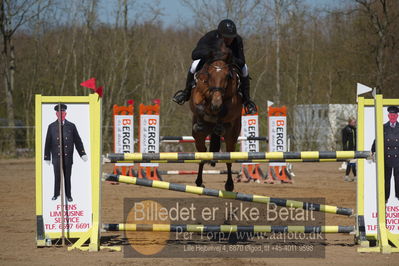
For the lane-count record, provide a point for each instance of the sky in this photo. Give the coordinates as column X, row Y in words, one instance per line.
column 175, row 13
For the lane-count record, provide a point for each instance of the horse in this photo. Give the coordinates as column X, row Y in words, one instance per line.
column 216, row 106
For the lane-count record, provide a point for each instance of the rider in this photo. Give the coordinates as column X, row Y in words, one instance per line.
column 205, row 46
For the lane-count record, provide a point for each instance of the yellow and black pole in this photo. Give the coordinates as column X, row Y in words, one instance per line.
column 229, row 195
column 194, row 157
column 379, row 158
column 328, row 229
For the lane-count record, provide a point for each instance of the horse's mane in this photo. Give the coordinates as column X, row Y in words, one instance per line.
column 222, row 53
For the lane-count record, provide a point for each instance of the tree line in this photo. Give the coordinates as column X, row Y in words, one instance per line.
column 297, row 54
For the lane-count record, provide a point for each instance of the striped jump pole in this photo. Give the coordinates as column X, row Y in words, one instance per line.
column 229, row 195
column 237, row 156
column 229, row 228
column 232, row 161
column 205, row 172
column 190, row 139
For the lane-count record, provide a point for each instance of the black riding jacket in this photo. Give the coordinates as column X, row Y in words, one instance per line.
column 208, row 42
column 349, row 138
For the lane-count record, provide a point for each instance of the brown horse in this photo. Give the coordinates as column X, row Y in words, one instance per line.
column 216, row 107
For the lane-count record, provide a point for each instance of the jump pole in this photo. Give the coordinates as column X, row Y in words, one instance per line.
column 190, row 139
column 236, row 156
column 329, row 229
column 229, row 195
column 235, row 161
column 205, row 172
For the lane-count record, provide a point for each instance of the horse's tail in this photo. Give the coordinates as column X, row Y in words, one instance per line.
column 215, row 143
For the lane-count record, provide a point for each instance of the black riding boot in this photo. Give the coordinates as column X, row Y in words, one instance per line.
column 249, row 106
column 183, row 96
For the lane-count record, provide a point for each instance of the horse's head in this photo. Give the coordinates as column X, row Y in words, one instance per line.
column 219, row 76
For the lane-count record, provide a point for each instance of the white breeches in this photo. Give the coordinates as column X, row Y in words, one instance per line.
column 194, row 66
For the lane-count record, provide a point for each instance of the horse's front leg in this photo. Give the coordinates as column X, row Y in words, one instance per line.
column 201, row 147
column 231, row 140
column 199, row 181
column 230, row 147
column 198, row 108
column 199, row 123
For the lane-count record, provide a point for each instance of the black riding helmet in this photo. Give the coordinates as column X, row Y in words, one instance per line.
column 227, row 28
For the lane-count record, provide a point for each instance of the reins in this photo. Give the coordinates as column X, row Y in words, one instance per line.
column 232, row 70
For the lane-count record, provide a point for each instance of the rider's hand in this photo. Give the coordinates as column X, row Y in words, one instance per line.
column 84, row 158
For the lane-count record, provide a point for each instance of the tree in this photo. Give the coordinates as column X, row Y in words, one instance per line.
column 382, row 16
column 207, row 14
column 13, row 15
column 279, row 10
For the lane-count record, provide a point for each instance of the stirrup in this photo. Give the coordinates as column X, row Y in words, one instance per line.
column 250, row 108
column 180, row 97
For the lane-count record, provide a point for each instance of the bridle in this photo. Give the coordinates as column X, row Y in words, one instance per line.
column 218, row 69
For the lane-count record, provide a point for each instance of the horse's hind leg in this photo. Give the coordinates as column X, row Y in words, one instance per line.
column 229, row 185
column 199, row 181
column 230, row 147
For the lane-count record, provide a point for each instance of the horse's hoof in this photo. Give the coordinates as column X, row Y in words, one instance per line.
column 199, row 184
column 229, row 186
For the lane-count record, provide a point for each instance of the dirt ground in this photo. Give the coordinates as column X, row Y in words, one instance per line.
column 18, row 222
